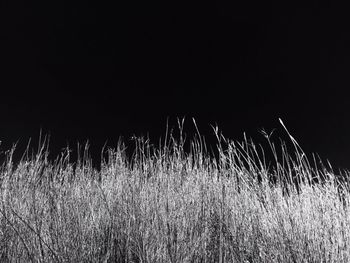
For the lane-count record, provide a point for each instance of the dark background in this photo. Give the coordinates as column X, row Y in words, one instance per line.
column 100, row 71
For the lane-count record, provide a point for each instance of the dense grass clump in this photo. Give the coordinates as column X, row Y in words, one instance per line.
column 166, row 204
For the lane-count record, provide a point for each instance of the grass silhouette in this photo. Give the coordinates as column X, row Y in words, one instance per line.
column 168, row 205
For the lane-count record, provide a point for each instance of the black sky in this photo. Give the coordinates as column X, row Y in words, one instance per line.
column 94, row 71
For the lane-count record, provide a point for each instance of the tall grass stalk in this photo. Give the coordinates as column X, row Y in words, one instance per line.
column 168, row 205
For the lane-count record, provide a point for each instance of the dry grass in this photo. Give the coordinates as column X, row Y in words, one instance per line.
column 170, row 206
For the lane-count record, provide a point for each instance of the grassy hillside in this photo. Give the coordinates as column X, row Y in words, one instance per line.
column 168, row 205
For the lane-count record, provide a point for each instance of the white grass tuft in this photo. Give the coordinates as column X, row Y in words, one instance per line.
column 166, row 205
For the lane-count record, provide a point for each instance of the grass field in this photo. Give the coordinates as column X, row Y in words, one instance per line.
column 166, row 204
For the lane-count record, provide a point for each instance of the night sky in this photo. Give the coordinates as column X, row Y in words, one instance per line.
column 81, row 71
